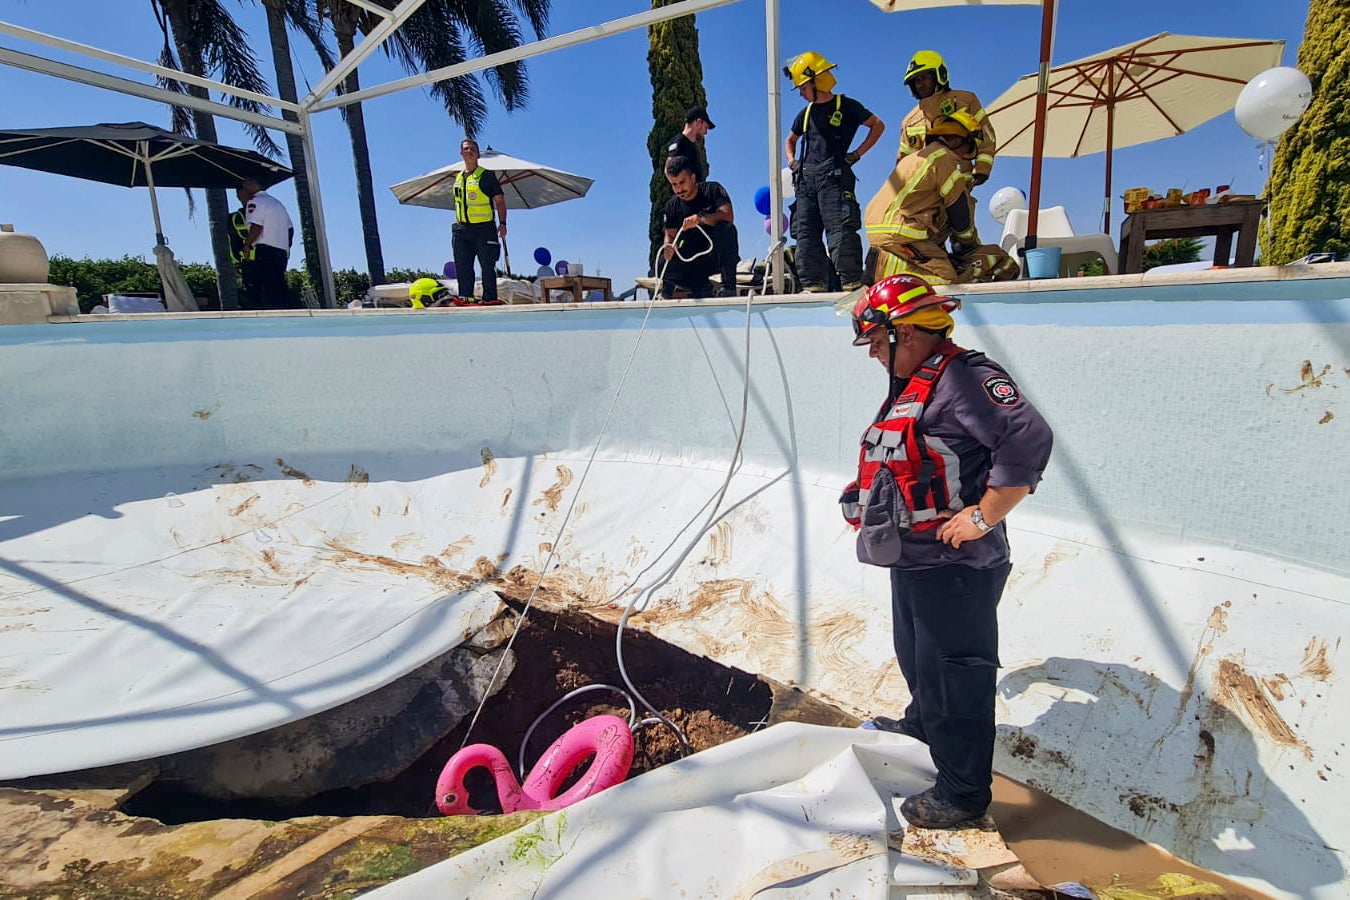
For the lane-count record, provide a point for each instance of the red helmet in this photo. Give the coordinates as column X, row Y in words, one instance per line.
column 891, row 299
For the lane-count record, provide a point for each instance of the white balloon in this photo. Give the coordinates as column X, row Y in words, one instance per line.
column 1004, row 201
column 1272, row 102
column 788, row 192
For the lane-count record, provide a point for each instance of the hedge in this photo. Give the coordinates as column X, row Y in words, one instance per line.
column 92, row 278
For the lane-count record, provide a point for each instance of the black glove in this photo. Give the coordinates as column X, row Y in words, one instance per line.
column 980, row 178
column 852, row 157
column 795, row 166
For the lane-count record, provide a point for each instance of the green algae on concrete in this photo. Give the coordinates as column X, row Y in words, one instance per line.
column 65, row 847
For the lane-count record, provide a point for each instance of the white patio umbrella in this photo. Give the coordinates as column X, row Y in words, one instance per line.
column 526, row 185
column 1154, row 88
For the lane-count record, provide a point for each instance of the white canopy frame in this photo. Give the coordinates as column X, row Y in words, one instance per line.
column 318, row 99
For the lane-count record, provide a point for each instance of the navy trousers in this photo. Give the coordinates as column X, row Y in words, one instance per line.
column 945, row 625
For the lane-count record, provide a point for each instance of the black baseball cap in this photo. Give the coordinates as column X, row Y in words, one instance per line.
column 699, row 112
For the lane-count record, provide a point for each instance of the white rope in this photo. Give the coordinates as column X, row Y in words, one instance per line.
column 567, row 516
column 715, row 501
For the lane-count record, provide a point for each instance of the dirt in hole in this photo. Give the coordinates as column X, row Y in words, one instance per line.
column 555, row 653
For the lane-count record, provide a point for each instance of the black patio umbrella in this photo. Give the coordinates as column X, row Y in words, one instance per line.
column 134, row 154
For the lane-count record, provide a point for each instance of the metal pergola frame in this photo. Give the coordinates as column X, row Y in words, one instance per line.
column 318, row 99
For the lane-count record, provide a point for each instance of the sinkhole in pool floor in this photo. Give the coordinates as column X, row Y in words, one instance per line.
column 554, row 653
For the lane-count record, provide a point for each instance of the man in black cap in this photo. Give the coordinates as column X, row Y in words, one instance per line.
column 696, row 127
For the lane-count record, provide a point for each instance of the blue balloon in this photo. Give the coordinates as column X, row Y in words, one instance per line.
column 542, row 256
column 449, row 269
column 762, row 200
column 561, row 267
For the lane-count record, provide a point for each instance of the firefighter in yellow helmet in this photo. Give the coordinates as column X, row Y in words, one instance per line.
column 822, row 176
column 930, row 83
column 926, row 202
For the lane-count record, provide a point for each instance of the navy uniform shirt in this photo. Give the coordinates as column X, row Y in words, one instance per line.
column 825, row 142
column 1001, row 440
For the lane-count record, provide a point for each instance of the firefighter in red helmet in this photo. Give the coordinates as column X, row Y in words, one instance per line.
column 950, row 453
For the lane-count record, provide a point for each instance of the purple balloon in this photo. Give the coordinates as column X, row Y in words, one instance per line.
column 768, row 225
column 449, row 269
column 560, row 267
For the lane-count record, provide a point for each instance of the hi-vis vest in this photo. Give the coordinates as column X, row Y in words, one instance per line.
column 471, row 204
column 238, row 237
column 926, row 470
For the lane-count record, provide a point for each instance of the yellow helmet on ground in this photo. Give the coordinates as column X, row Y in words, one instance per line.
column 426, row 292
column 810, row 67
column 927, row 61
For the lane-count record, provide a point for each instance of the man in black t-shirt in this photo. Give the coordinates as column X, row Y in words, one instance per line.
column 822, row 176
column 700, row 234
column 696, row 128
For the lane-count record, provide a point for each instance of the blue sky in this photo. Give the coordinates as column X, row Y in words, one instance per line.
column 590, row 113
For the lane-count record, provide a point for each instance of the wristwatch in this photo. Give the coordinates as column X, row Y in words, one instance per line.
column 977, row 516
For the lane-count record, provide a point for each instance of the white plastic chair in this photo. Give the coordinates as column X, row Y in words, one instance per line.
column 1053, row 230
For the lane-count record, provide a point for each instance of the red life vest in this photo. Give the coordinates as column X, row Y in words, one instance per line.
column 925, row 469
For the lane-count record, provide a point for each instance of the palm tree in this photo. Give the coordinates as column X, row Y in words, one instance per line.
column 298, row 14
column 434, row 37
column 201, row 39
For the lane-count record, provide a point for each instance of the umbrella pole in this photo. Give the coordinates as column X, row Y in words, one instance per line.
column 1038, row 132
column 1110, row 142
column 154, row 201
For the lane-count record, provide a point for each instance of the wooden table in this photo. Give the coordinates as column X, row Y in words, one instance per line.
column 576, row 284
column 1219, row 220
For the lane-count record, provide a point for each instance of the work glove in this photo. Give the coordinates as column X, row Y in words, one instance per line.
column 795, row 166
column 979, row 178
column 852, row 157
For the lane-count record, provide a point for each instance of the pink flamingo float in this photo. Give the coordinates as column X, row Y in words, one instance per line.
column 607, row 738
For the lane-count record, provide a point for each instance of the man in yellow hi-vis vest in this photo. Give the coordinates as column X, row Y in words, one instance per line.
column 474, row 237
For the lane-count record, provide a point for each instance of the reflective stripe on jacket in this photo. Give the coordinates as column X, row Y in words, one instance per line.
column 914, row 129
column 912, row 205
column 471, row 204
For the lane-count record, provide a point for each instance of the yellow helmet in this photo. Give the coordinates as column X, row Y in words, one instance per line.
column 927, row 61
column 426, row 292
column 810, row 67
column 959, row 124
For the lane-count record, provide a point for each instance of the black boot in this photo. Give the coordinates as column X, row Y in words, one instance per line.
column 908, row 727
column 928, row 810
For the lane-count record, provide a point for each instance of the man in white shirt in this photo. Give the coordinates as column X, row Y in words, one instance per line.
column 270, row 234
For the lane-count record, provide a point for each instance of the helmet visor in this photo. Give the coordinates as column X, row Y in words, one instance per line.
column 847, row 305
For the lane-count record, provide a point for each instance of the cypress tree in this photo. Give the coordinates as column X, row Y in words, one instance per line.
column 1309, row 186
column 677, row 86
